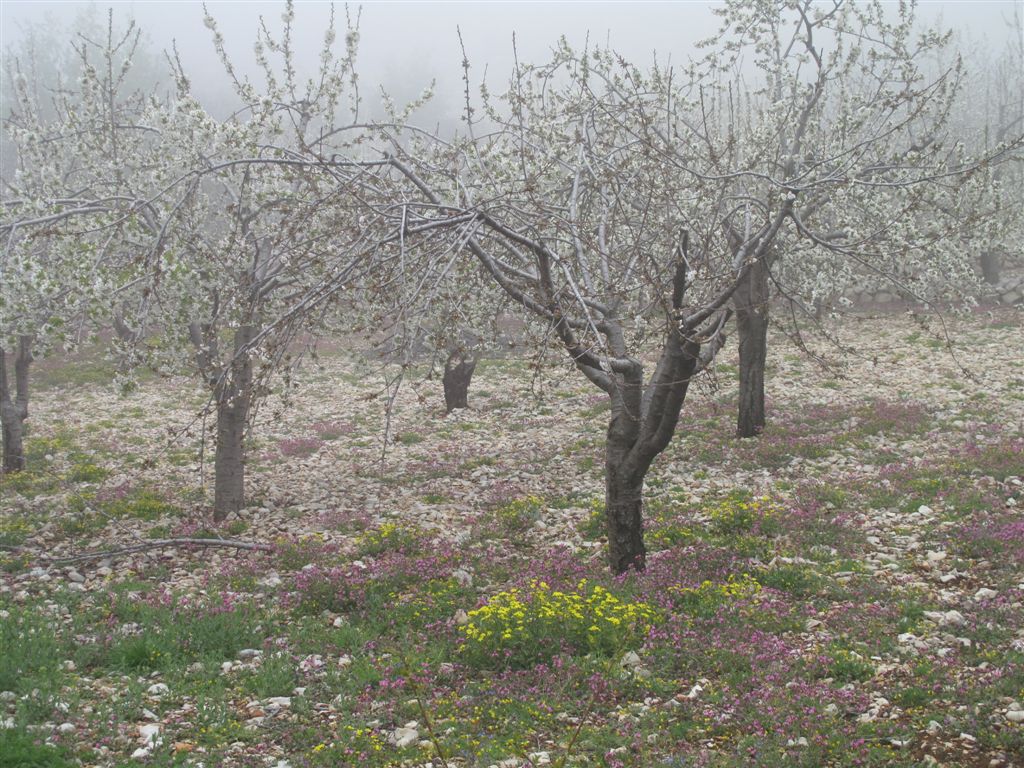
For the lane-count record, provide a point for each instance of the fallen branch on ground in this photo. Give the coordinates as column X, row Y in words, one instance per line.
column 155, row 544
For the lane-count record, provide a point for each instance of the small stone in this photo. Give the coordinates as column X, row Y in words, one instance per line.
column 141, row 753
column 66, row 728
column 183, row 746
column 157, row 689
column 946, row 618
column 1015, row 716
column 404, row 737
column 631, row 659
column 953, row 617
column 985, row 594
column 76, row 577
column 812, row 624
column 338, row 622
column 924, row 509
column 461, row 618
column 271, row 580
column 933, row 728
column 249, row 653
column 463, row 577
column 800, row 742
column 345, row 661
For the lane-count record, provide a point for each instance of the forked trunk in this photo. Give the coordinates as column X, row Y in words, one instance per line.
column 751, row 304
column 14, row 405
column 458, row 374
column 234, row 397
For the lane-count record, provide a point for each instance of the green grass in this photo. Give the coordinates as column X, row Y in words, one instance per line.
column 397, row 620
column 20, row 749
column 87, row 472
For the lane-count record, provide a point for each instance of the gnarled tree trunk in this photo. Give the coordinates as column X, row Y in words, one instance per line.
column 14, row 406
column 234, row 396
column 458, row 374
column 751, row 304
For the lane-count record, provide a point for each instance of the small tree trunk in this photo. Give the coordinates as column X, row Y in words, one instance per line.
column 234, row 397
column 751, row 304
column 13, row 432
column 458, row 374
column 623, row 517
column 991, row 267
column 14, row 409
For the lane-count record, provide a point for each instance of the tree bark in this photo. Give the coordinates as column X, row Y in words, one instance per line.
column 991, row 267
column 751, row 304
column 458, row 374
column 234, row 396
column 623, row 508
column 14, row 409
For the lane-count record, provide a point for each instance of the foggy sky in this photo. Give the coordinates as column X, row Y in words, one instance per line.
column 406, row 44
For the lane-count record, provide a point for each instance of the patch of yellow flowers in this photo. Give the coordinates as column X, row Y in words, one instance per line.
column 520, row 627
column 520, row 513
column 706, row 598
column 388, row 537
column 742, row 513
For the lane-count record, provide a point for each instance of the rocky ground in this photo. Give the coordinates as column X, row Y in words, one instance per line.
column 846, row 590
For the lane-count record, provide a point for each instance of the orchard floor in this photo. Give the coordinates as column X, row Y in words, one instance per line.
column 846, row 590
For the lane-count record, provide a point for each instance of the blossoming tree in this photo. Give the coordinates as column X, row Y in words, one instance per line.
column 577, row 221
column 845, row 115
column 258, row 235
column 66, row 207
